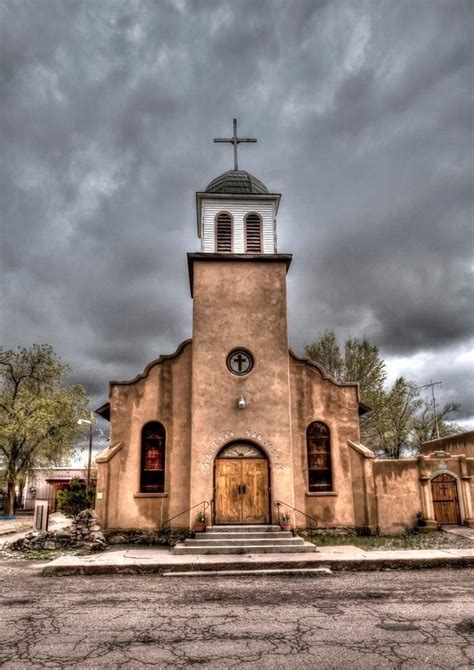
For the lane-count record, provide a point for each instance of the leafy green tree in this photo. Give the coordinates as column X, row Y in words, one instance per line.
column 74, row 498
column 359, row 362
column 38, row 413
column 394, row 430
column 399, row 420
column 327, row 353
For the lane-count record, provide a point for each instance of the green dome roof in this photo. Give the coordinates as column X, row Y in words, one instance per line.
column 236, row 182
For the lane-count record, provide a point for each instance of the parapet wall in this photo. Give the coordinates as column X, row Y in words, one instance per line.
column 398, row 495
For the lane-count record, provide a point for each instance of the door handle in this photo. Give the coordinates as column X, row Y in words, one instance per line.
column 244, row 489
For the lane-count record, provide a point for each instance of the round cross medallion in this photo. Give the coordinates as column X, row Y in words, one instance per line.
column 240, row 362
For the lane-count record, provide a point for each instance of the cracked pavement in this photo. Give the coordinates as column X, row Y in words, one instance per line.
column 409, row 619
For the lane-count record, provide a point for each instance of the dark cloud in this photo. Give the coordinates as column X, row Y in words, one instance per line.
column 363, row 114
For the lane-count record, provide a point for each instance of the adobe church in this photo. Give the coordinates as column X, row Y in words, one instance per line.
column 235, row 422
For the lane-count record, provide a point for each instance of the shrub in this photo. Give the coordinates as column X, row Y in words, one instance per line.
column 74, row 498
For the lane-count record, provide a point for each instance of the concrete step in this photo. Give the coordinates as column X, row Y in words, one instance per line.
column 182, row 549
column 242, row 536
column 265, row 572
column 224, row 542
column 249, row 528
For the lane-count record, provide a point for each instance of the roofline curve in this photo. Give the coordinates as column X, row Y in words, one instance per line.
column 157, row 361
column 322, row 371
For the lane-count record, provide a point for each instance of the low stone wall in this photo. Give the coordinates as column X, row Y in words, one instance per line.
column 147, row 537
column 84, row 533
column 330, row 530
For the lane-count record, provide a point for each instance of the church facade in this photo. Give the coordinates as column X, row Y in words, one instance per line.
column 236, row 422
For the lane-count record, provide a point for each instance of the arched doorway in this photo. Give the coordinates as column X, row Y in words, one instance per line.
column 241, row 485
column 445, row 499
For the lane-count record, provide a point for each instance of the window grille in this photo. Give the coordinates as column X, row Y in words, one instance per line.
column 253, row 234
column 224, row 232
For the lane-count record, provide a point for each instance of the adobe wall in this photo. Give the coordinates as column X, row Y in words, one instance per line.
column 162, row 393
column 470, row 485
column 240, row 304
column 403, row 488
column 398, row 494
column 460, row 443
column 316, row 397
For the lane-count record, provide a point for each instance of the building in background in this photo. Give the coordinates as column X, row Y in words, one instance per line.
column 44, row 484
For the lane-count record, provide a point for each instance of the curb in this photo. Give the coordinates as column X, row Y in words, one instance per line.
column 335, row 565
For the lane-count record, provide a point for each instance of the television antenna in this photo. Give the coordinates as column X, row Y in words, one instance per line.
column 432, row 385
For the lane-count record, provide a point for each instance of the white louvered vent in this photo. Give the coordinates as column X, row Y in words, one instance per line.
column 224, row 232
column 253, row 234
column 238, row 212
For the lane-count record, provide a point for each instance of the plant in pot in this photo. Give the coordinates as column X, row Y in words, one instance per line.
column 200, row 524
column 285, row 521
column 420, row 523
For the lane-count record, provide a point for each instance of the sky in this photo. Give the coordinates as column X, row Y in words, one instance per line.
column 364, row 118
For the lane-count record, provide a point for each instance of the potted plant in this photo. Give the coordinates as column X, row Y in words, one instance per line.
column 285, row 521
column 420, row 523
column 200, row 525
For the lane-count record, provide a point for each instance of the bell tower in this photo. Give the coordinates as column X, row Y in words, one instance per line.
column 236, row 213
column 240, row 368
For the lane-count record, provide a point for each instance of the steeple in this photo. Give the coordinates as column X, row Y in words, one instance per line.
column 236, row 214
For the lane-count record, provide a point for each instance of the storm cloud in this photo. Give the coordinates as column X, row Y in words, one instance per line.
column 363, row 114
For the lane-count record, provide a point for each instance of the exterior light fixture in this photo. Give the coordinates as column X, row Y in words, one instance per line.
column 241, row 402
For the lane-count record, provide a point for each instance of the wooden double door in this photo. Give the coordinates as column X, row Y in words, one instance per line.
column 445, row 499
column 241, row 491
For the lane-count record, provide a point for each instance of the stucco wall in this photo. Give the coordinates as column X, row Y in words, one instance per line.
column 460, row 443
column 398, row 494
column 240, row 305
column 162, row 394
column 470, row 483
column 316, row 398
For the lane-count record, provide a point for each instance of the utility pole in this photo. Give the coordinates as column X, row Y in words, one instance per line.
column 90, row 423
column 432, row 385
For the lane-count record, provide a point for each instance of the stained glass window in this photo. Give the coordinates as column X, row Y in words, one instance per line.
column 318, row 446
column 152, row 478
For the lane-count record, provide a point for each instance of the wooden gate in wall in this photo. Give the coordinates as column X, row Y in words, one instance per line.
column 445, row 499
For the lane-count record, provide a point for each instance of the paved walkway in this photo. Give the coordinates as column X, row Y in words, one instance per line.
column 160, row 560
column 461, row 531
column 16, row 525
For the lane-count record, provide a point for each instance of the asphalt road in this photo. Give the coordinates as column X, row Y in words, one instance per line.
column 416, row 619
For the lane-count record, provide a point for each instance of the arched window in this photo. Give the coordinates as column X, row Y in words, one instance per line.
column 318, row 446
column 152, row 478
column 224, row 232
column 253, row 234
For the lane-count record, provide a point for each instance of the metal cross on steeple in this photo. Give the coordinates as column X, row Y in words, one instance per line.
column 235, row 141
